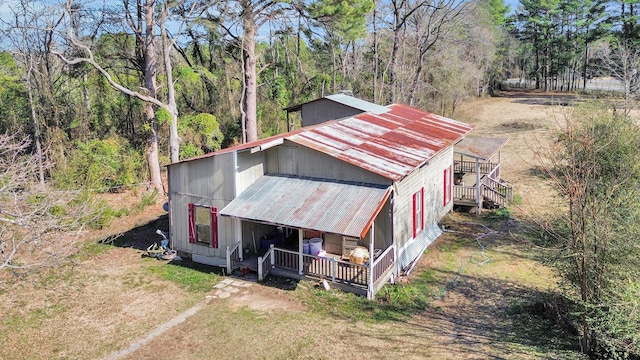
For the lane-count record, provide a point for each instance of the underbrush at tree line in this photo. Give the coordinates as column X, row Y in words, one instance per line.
column 595, row 167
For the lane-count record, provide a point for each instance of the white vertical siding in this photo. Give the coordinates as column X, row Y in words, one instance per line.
column 431, row 178
column 206, row 182
column 250, row 168
column 313, row 164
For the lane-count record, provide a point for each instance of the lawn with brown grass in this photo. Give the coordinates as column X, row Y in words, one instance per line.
column 469, row 297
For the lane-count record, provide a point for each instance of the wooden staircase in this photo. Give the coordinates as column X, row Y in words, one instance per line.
column 496, row 194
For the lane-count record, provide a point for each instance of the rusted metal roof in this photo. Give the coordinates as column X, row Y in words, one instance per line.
column 480, row 147
column 334, row 207
column 391, row 144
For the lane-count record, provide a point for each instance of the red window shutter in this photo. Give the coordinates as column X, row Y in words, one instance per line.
column 415, row 232
column 214, row 227
column 422, row 210
column 192, row 223
column 445, row 197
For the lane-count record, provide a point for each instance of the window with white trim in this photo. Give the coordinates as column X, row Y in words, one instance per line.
column 203, row 225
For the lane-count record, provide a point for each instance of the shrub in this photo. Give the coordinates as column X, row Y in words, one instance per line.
column 103, row 165
column 199, row 133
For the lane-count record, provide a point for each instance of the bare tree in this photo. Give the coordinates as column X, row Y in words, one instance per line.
column 143, row 24
column 431, row 22
column 29, row 33
column 595, row 167
column 401, row 11
column 621, row 59
column 37, row 226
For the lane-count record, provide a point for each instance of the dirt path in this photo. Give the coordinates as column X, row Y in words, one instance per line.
column 156, row 332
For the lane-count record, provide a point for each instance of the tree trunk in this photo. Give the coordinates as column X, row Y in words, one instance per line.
column 375, row 54
column 250, row 75
column 416, row 78
column 36, row 123
column 172, row 107
column 393, row 76
column 150, row 68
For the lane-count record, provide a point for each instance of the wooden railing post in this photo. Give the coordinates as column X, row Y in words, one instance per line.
column 273, row 260
column 260, row 274
column 300, row 257
column 334, row 269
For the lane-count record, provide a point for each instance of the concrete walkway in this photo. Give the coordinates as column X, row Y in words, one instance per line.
column 224, row 289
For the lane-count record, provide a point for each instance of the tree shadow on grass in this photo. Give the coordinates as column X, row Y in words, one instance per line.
column 489, row 318
column 141, row 236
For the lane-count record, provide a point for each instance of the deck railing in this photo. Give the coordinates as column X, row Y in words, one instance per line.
column 495, row 173
column 470, row 167
column 266, row 262
column 233, row 257
column 383, row 263
column 464, row 193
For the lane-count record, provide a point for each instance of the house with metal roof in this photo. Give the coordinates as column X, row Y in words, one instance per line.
column 353, row 200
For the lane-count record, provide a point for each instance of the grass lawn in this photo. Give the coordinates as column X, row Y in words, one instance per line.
column 465, row 299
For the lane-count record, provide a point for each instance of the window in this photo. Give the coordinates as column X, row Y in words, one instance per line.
column 448, row 186
column 203, row 225
column 418, row 212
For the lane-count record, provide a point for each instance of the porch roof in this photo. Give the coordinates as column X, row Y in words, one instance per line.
column 302, row 203
column 480, row 147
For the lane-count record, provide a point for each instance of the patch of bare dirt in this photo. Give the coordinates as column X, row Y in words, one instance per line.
column 521, row 125
column 263, row 298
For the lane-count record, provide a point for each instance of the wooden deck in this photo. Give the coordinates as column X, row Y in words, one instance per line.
column 493, row 190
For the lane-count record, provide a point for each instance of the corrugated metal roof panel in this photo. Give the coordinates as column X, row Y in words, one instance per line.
column 356, row 103
column 335, row 207
column 481, row 148
column 391, row 144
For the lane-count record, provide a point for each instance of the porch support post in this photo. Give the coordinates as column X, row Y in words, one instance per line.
column 237, row 227
column 371, row 286
column 300, row 257
column 478, row 188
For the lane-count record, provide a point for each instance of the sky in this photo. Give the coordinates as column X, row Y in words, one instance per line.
column 512, row 3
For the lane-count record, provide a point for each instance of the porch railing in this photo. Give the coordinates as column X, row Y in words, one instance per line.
column 286, row 259
column 383, row 263
column 329, row 268
column 470, row 166
column 266, row 262
column 495, row 173
column 233, row 257
column 464, row 193
column 337, row 270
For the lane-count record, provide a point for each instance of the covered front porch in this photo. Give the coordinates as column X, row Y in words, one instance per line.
column 477, row 181
column 317, row 229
